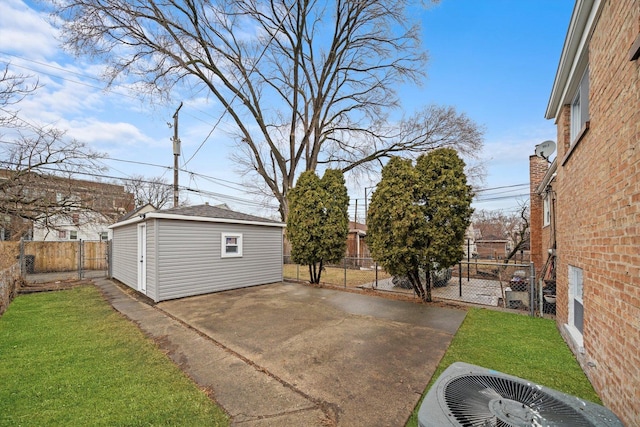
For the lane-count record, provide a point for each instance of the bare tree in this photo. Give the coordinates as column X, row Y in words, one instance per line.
column 519, row 233
column 306, row 83
column 513, row 227
column 154, row 190
column 36, row 164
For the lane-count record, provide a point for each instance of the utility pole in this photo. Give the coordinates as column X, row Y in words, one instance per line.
column 176, row 153
column 365, row 201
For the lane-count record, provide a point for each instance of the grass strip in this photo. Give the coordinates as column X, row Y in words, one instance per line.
column 334, row 275
column 527, row 347
column 67, row 358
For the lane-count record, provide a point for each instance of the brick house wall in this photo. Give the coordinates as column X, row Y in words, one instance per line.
column 491, row 249
column 598, row 206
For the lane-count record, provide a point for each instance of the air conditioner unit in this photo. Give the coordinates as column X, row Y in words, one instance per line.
column 473, row 396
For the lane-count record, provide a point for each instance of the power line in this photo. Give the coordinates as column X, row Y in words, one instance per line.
column 44, row 64
column 526, row 184
column 216, row 195
column 490, row 199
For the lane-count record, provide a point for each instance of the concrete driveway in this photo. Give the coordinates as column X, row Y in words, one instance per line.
column 338, row 358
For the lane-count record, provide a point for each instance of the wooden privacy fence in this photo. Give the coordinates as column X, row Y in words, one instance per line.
column 48, row 257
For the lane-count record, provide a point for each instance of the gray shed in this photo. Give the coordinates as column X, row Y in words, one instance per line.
column 195, row 250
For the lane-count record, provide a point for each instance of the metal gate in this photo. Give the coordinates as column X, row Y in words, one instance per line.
column 93, row 259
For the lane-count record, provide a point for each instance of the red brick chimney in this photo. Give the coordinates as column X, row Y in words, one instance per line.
column 537, row 170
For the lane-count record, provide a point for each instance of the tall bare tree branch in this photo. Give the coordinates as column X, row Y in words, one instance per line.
column 37, row 163
column 307, row 83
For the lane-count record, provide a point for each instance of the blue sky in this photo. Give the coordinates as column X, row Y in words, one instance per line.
column 494, row 60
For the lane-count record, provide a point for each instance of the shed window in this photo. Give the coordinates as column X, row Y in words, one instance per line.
column 231, row 245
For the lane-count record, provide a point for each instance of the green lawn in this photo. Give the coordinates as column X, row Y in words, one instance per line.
column 66, row 358
column 526, row 347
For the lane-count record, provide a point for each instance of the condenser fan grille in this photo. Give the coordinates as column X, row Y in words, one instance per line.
column 487, row 400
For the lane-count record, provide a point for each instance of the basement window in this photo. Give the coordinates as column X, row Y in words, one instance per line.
column 576, row 305
column 231, row 245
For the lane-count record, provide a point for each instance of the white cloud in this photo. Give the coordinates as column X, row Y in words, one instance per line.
column 107, row 136
column 24, row 30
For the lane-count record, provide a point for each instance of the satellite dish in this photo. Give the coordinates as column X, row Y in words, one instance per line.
column 545, row 149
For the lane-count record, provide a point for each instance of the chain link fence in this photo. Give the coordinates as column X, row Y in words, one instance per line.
column 350, row 273
column 500, row 285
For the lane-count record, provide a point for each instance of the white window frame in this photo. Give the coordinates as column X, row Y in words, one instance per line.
column 546, row 211
column 225, row 246
column 580, row 108
column 73, row 235
column 576, row 293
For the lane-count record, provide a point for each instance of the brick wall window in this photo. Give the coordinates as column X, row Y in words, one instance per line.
column 576, row 307
column 580, row 109
column 546, row 211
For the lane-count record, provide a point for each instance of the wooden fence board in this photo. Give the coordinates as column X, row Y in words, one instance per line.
column 57, row 256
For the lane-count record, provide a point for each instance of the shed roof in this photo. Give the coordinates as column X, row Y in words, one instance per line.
column 139, row 210
column 205, row 213
column 208, row 211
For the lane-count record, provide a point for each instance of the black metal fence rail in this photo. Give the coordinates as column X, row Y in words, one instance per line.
column 491, row 284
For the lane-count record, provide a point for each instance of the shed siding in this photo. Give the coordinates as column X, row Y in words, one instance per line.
column 189, row 262
column 152, row 263
column 125, row 249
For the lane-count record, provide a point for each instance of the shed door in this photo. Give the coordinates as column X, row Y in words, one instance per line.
column 142, row 258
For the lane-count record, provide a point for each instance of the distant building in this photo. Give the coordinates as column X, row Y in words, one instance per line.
column 59, row 209
column 356, row 245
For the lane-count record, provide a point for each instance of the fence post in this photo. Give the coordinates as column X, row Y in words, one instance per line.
column 23, row 264
column 375, row 265
column 532, row 290
column 109, row 260
column 80, row 247
column 460, row 279
column 345, row 272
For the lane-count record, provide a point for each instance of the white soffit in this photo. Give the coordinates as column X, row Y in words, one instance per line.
column 574, row 57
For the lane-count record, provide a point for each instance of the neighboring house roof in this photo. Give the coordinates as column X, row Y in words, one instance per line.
column 357, row 228
column 206, row 213
column 138, row 211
